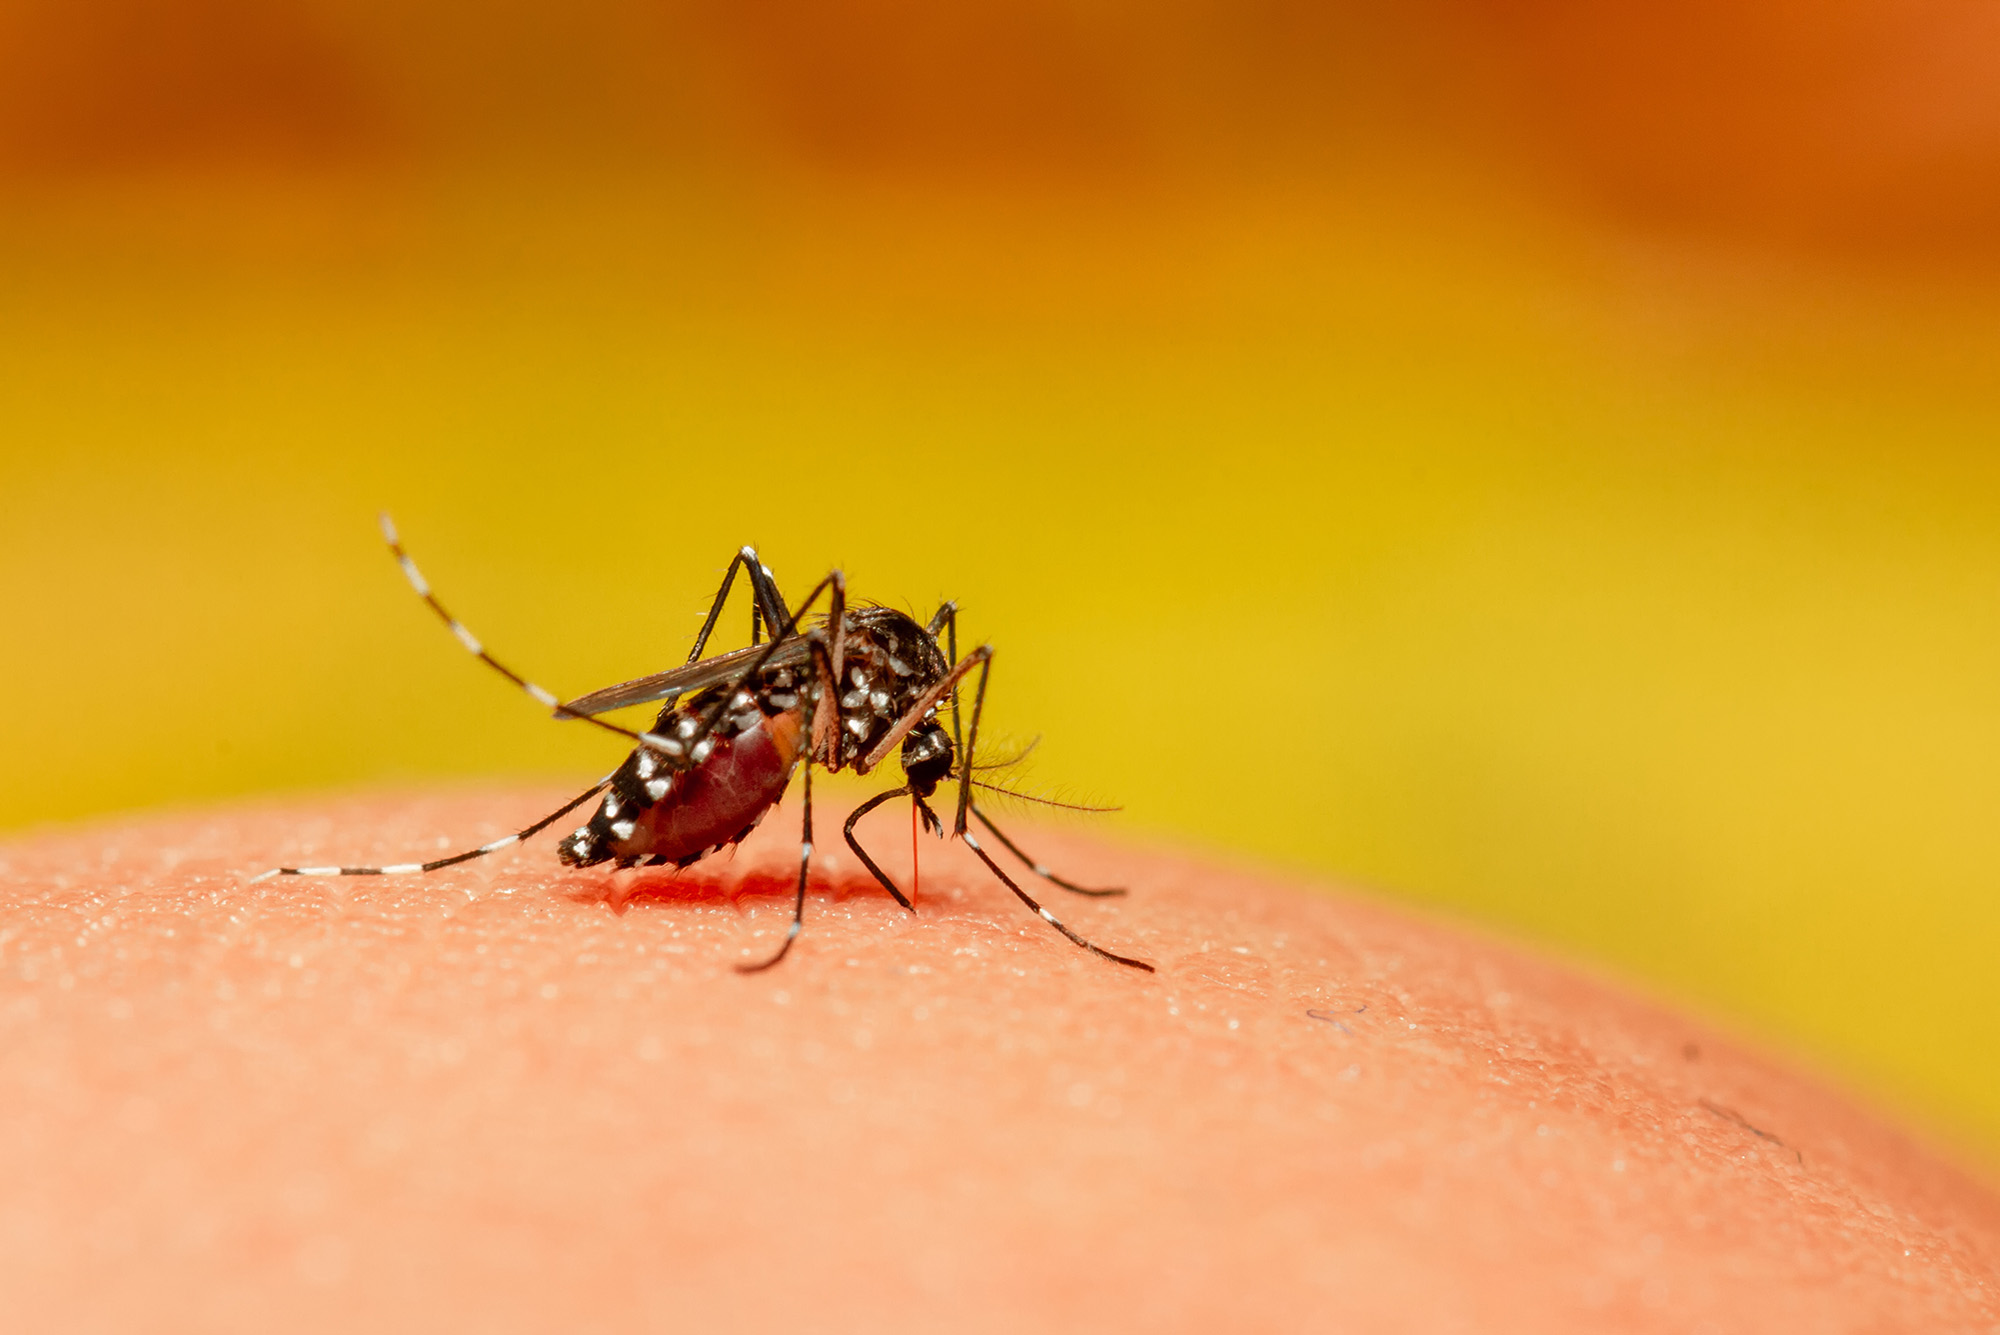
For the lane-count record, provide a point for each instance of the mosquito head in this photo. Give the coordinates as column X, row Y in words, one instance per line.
column 927, row 756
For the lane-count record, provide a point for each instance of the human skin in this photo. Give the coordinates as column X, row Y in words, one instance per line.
column 507, row 1096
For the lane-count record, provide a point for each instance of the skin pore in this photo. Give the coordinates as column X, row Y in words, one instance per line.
column 509, row 1096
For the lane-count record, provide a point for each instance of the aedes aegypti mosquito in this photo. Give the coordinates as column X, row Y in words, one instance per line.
column 841, row 693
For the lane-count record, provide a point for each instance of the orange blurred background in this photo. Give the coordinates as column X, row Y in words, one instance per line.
column 1532, row 458
column 1865, row 123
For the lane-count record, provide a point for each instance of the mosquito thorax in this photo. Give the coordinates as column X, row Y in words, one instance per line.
column 888, row 662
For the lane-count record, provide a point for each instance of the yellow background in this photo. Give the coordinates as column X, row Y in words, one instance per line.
column 1623, row 575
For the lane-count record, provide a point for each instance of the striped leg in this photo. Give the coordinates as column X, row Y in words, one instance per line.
column 965, row 767
column 478, row 650
column 412, row 868
column 695, row 746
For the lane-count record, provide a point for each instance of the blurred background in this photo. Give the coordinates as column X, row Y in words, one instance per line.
column 1536, row 459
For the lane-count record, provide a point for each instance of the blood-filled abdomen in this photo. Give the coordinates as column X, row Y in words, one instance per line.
column 655, row 814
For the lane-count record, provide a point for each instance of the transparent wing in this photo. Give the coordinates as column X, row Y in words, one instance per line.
column 692, row 677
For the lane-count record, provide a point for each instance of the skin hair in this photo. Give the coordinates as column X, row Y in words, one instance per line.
column 509, row 1096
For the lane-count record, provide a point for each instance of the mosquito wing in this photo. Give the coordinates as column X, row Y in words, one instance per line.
column 691, row 677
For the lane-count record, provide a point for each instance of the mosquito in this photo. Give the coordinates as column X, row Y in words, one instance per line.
column 844, row 692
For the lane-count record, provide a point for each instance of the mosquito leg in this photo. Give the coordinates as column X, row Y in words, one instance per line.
column 767, row 605
column 1035, row 866
column 767, row 610
column 972, row 843
column 478, row 650
column 971, row 745
column 985, row 658
column 862, row 853
column 828, row 662
column 798, row 904
column 722, row 598
column 690, row 745
column 946, row 619
column 410, row 868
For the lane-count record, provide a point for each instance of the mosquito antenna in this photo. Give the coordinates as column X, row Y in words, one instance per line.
column 1042, row 801
column 1010, row 761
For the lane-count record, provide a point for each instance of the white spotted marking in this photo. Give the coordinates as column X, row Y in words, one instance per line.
column 610, row 806
column 403, row 869
column 467, row 638
column 388, row 529
column 542, row 697
column 1048, row 916
column 499, row 844
column 1040, row 870
column 415, row 576
column 740, row 701
column 646, row 765
column 685, row 727
column 805, row 852
column 657, row 789
column 623, row 830
column 317, row 871
column 748, row 553
column 701, row 749
column 971, row 841
column 265, row 876
column 859, row 727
